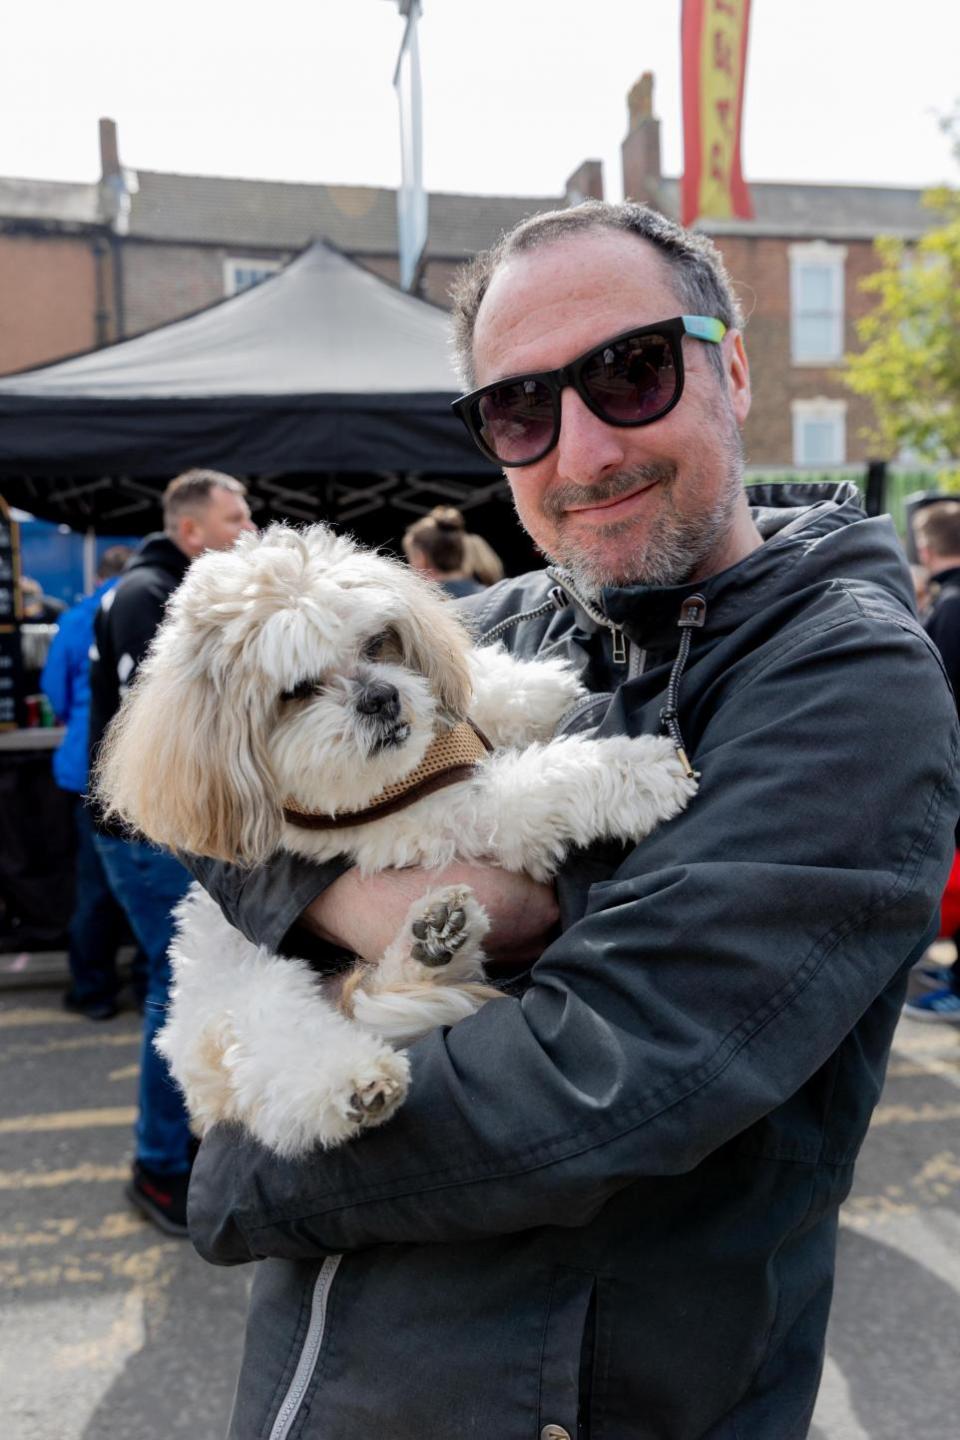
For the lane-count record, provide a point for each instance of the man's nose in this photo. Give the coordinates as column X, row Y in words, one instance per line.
column 588, row 448
column 380, row 699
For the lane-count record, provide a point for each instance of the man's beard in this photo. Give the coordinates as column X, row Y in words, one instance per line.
column 670, row 548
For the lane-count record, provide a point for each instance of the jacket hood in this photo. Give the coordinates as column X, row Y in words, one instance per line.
column 158, row 552
column 813, row 533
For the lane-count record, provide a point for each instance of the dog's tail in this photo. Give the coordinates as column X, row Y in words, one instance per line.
column 404, row 1013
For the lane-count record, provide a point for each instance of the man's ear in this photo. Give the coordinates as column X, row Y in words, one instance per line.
column 737, row 368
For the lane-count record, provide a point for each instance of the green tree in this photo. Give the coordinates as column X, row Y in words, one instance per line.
column 909, row 366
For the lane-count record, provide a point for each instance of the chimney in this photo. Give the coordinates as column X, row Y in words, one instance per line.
column 640, row 150
column 586, row 183
column 109, row 149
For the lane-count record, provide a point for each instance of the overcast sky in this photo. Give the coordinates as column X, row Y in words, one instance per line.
column 516, row 92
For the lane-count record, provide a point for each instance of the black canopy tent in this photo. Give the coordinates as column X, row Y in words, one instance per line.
column 326, row 387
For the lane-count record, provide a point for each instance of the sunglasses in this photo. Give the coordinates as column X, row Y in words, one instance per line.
column 633, row 379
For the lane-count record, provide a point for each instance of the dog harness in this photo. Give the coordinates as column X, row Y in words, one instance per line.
column 451, row 756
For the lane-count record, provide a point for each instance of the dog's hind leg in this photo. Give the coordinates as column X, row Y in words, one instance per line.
column 431, row 974
column 250, row 1037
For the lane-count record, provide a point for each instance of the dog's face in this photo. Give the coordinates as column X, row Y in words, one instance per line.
column 294, row 667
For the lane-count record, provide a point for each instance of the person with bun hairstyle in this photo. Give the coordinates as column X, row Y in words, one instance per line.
column 436, row 546
column 481, row 560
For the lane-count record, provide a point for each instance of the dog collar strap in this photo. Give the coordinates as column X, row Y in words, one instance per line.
column 450, row 756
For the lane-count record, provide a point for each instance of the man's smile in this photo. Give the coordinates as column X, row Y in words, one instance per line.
column 615, row 507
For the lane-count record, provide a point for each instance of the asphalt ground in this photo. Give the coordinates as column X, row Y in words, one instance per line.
column 111, row 1331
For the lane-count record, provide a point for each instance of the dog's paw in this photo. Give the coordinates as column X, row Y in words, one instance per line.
column 450, row 921
column 379, row 1088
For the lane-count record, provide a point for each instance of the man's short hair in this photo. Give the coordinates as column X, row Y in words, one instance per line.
column 700, row 278
column 190, row 492
column 937, row 527
column 112, row 561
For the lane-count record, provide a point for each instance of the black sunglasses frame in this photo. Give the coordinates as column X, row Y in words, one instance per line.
column 555, row 381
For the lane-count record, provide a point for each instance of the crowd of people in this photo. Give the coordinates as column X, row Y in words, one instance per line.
column 614, row 1193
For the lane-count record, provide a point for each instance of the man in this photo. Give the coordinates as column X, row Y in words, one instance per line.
column 936, row 530
column 202, row 510
column 96, row 926
column 609, row 1203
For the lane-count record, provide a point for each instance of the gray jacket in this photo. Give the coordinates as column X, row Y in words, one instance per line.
column 610, row 1203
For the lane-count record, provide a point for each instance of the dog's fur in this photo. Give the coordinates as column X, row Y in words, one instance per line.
column 256, row 693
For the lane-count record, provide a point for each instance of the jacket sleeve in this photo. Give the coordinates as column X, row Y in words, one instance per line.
column 711, row 976
column 265, row 903
column 943, row 627
column 55, row 679
column 133, row 618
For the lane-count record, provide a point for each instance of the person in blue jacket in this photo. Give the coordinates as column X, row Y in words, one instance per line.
column 97, row 926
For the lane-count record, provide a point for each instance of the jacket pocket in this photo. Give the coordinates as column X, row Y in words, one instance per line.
column 566, row 1364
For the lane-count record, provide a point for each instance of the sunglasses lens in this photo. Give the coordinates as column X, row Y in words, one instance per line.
column 633, row 380
column 516, row 421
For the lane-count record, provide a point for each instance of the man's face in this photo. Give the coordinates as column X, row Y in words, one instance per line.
column 657, row 504
column 217, row 525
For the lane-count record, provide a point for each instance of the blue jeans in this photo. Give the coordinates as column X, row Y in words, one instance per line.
column 148, row 883
column 97, row 926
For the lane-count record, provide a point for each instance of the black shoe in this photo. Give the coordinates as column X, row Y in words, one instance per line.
column 90, row 1009
column 161, row 1198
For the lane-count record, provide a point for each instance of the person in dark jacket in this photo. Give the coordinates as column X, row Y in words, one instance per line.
column 436, row 546
column 936, row 529
column 202, row 510
column 609, row 1204
column 97, row 925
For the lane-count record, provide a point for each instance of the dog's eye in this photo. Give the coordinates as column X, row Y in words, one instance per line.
column 380, row 646
column 303, row 690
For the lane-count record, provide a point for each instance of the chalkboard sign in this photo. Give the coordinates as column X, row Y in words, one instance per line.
column 11, row 670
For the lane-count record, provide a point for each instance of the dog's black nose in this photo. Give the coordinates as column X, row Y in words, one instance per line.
column 379, row 699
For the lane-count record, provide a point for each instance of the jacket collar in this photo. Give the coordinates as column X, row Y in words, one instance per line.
column 807, row 525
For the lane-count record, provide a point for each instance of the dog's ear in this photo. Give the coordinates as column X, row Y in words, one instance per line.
column 185, row 766
column 436, row 644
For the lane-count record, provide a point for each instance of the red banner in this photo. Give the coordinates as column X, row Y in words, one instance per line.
column 714, row 43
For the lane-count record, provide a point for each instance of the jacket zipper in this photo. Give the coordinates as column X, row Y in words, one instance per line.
column 621, row 645
column 306, row 1365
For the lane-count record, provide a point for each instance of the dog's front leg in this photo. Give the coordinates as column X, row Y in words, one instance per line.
column 250, row 1037
column 518, row 701
column 529, row 807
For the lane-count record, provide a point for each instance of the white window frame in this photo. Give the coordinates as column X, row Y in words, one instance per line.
column 831, row 258
column 235, row 263
column 819, row 410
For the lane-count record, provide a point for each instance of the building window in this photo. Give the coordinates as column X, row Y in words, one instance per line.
column 819, row 432
column 242, row 274
column 816, row 303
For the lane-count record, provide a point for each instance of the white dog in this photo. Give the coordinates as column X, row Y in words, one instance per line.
column 308, row 694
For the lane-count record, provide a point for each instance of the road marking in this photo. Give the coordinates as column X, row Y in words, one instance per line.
column 69, row 1120
column 126, row 1072
column 926, row 1114
column 149, row 1269
column 36, row 1016
column 945, row 1064
column 934, row 1185
column 82, row 1042
column 119, row 1225
column 51, row 1179
column 835, row 1413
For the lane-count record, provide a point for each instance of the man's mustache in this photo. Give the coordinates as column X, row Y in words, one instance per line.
column 560, row 498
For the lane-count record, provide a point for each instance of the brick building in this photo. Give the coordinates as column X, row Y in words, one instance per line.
column 84, row 264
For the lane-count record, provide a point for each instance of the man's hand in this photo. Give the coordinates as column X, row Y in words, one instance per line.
column 364, row 914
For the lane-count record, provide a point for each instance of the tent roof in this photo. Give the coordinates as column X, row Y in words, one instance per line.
column 322, row 326
column 324, row 369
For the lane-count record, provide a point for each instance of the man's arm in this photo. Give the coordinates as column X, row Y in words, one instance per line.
column 55, row 679
column 713, row 974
